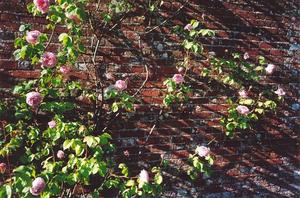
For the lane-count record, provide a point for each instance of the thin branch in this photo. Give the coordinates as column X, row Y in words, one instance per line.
column 51, row 36
column 166, row 20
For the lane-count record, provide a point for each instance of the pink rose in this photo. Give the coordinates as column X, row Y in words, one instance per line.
column 243, row 110
column 37, row 187
column 52, row 124
column 121, row 85
column 280, row 92
column 2, row 168
column 60, row 154
column 243, row 93
column 65, row 69
column 49, row 59
column 188, row 27
column 74, row 17
column 202, row 151
column 178, row 78
column 33, row 36
column 42, row 5
column 270, row 68
column 144, row 176
column 33, row 99
column 246, row 56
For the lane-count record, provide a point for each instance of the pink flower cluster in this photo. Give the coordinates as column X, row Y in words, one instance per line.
column 188, row 27
column 38, row 186
column 243, row 110
column 42, row 5
column 243, row 93
column 32, row 37
column 52, row 124
column 202, row 151
column 33, row 99
column 49, row 59
column 60, row 154
column 178, row 78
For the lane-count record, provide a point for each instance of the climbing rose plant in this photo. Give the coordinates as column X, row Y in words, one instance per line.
column 64, row 150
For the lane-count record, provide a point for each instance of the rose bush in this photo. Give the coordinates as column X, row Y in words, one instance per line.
column 76, row 152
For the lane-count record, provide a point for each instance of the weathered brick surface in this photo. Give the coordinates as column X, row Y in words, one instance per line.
column 261, row 163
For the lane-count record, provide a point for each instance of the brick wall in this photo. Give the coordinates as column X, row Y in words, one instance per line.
column 263, row 162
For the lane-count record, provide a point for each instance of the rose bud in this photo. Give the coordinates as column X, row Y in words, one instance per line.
column 52, row 124
column 60, row 154
column 181, row 69
column 121, row 85
column 33, row 99
column 2, row 168
column 42, row 5
column 243, row 110
column 32, row 37
column 144, row 177
column 178, row 78
column 38, row 185
column 270, row 68
column 202, row 151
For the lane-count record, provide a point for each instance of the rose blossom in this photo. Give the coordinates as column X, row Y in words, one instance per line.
column 188, row 27
column 243, row 93
column 121, row 85
column 33, row 99
column 49, row 59
column 270, row 68
column 33, row 36
column 52, row 124
column 144, row 176
column 60, row 154
column 246, row 56
column 241, row 109
column 280, row 92
column 202, row 151
column 2, row 167
column 37, row 187
column 178, row 78
column 42, row 5
column 65, row 69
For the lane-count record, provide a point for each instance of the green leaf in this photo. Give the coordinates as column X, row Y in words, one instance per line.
column 67, row 144
column 158, row 179
column 130, row 183
column 246, row 101
column 115, row 107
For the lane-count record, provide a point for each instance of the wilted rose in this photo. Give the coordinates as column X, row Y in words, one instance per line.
column 246, row 56
column 74, row 17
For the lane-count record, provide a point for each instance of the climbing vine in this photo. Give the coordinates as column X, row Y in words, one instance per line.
column 62, row 148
